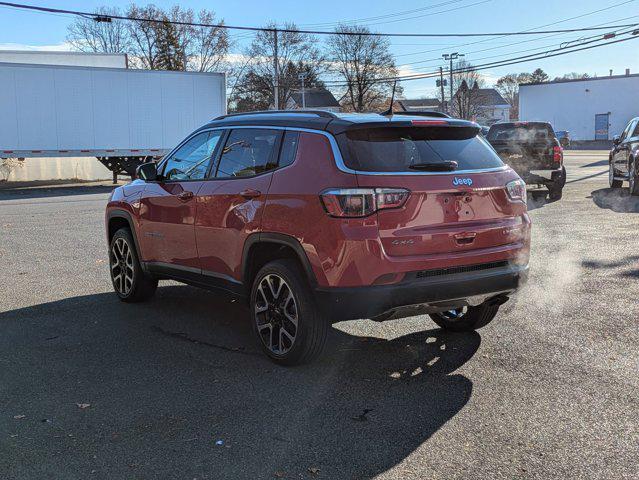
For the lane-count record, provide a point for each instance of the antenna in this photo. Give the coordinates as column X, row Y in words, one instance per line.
column 390, row 108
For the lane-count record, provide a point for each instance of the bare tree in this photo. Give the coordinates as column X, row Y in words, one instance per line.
column 87, row 35
column 297, row 53
column 362, row 61
column 508, row 87
column 466, row 85
column 143, row 35
column 166, row 42
column 572, row 76
column 209, row 46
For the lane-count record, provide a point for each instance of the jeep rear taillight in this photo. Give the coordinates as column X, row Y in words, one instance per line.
column 557, row 154
column 360, row 202
column 516, row 190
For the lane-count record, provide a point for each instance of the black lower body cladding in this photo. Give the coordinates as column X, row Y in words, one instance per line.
column 431, row 293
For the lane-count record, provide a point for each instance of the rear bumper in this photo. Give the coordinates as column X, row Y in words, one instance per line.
column 420, row 295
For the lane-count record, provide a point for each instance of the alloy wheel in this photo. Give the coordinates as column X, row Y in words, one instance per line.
column 276, row 314
column 122, row 266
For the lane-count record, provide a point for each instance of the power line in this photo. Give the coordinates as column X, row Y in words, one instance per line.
column 619, row 4
column 500, row 63
column 292, row 30
column 382, row 17
column 580, row 39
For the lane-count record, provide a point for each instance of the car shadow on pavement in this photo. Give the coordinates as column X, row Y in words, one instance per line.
column 178, row 388
column 616, row 199
column 631, row 261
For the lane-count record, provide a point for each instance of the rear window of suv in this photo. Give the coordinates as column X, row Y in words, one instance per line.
column 524, row 132
column 395, row 149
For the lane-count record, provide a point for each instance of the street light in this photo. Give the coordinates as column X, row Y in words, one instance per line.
column 451, row 57
column 303, row 76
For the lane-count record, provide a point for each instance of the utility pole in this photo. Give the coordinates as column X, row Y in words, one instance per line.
column 441, row 86
column 276, row 78
column 451, row 57
column 302, row 76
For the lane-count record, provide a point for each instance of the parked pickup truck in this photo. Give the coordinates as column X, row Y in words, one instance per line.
column 533, row 151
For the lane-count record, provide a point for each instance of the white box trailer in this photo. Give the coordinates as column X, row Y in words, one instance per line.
column 77, row 59
column 120, row 116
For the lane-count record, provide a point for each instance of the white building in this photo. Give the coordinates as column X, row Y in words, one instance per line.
column 590, row 109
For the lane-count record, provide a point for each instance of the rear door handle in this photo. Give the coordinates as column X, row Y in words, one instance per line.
column 250, row 193
column 185, row 196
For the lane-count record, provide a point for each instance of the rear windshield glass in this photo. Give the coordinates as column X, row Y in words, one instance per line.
column 396, row 149
column 521, row 133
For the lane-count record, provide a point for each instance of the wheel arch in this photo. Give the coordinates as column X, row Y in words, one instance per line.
column 117, row 219
column 260, row 248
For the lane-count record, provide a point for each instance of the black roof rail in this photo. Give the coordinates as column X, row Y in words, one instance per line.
column 425, row 113
column 319, row 113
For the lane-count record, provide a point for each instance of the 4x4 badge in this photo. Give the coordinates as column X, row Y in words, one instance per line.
column 462, row 181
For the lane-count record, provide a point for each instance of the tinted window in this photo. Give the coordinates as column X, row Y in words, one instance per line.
column 627, row 130
column 248, row 151
column 524, row 132
column 635, row 132
column 396, row 149
column 191, row 160
column 289, row 148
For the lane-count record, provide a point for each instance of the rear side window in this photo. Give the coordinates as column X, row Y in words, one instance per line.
column 396, row 149
column 248, row 152
column 289, row 148
column 531, row 132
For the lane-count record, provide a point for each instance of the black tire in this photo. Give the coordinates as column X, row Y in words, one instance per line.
column 471, row 319
column 141, row 286
column 633, row 177
column 612, row 181
column 556, row 187
column 312, row 327
column 555, row 193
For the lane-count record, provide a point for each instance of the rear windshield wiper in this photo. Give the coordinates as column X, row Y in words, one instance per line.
column 446, row 166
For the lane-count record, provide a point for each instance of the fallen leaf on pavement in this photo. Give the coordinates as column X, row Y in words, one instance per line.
column 83, row 405
column 19, row 417
column 313, row 470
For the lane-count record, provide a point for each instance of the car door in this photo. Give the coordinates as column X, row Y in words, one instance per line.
column 231, row 203
column 167, row 206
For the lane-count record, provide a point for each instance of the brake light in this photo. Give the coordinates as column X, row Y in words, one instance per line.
column 557, row 154
column 428, row 122
column 360, row 202
column 517, row 190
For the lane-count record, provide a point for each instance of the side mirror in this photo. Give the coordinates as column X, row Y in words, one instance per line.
column 616, row 140
column 147, row 172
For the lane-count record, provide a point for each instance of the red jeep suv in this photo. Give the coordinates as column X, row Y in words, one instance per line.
column 315, row 217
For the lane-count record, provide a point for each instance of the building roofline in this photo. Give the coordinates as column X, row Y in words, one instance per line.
column 571, row 80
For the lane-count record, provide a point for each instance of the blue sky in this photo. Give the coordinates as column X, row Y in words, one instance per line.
column 20, row 29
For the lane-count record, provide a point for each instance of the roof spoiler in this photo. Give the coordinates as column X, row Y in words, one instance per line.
column 445, row 123
column 425, row 113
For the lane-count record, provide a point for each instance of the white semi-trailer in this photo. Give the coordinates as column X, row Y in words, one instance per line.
column 120, row 116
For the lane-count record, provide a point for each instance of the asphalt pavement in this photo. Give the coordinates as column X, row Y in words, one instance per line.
column 91, row 388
